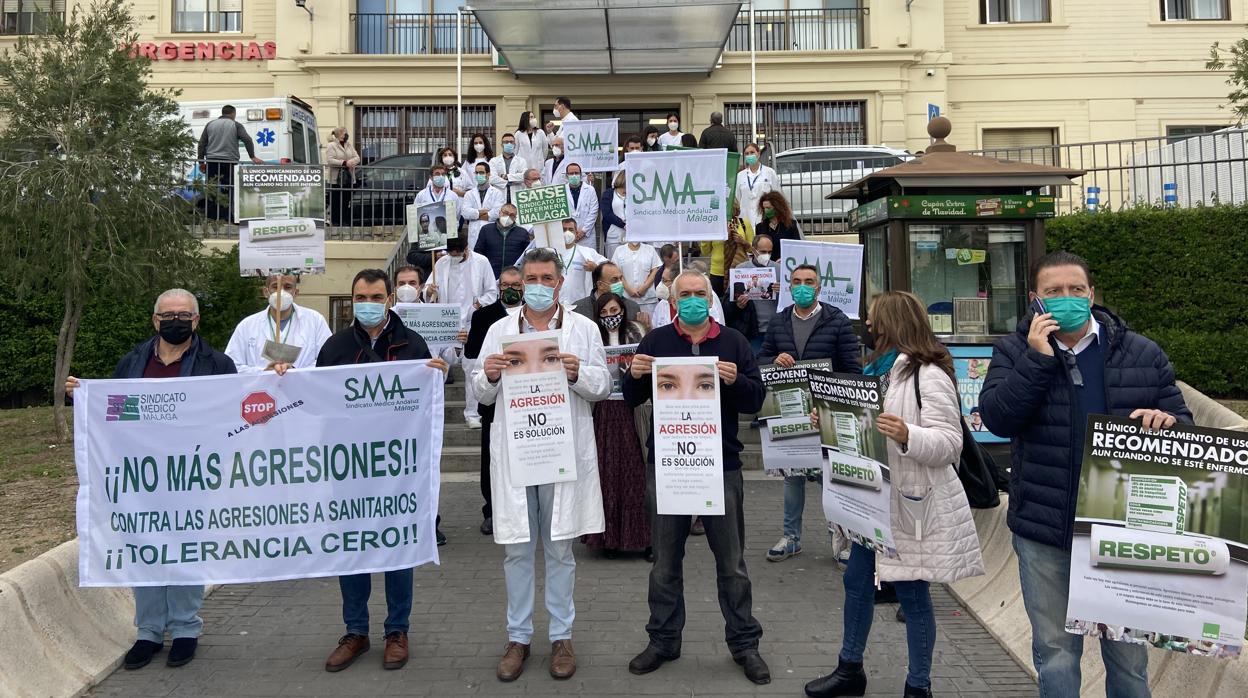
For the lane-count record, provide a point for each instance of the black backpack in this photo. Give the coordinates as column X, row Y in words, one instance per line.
column 976, row 469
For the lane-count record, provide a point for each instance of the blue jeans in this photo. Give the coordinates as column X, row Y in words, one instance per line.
column 794, row 506
column 1045, row 575
column 916, row 601
column 172, row 608
column 519, row 560
column 356, row 588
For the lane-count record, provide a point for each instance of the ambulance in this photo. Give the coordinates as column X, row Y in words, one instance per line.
column 283, row 128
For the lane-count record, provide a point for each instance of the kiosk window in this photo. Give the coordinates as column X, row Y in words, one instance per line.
column 972, row 277
column 877, row 255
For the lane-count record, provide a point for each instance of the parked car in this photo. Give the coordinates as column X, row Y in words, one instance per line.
column 384, row 188
column 808, row 175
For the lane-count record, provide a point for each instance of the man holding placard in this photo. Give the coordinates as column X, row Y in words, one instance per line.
column 547, row 366
column 282, row 333
column 702, row 363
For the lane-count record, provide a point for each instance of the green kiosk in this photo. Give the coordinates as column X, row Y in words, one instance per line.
column 960, row 231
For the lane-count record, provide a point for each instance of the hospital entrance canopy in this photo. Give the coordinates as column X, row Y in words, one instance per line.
column 601, row 37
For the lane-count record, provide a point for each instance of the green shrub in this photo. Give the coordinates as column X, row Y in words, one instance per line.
column 1179, row 276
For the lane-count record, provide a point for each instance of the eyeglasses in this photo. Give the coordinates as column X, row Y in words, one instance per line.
column 1072, row 365
column 175, row 316
column 515, row 286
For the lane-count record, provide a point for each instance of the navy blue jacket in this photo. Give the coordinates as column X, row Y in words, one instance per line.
column 490, row 244
column 1029, row 397
column 608, row 214
column 744, row 396
column 200, row 360
column 833, row 338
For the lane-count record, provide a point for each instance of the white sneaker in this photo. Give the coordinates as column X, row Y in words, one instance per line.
column 473, row 423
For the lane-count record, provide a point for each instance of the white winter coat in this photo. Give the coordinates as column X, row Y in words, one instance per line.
column 578, row 504
column 949, row 550
column 307, row 328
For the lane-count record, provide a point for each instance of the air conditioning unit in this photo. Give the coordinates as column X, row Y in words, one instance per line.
column 970, row 316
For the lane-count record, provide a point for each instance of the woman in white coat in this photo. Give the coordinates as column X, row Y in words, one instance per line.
column 931, row 520
column 531, row 140
column 563, row 510
column 753, row 181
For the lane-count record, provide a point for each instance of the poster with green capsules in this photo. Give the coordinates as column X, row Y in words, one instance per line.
column 1160, row 549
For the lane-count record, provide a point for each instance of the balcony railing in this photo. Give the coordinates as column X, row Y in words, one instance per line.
column 417, row 34
column 800, row 30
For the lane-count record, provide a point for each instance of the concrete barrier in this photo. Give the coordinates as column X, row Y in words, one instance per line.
column 996, row 600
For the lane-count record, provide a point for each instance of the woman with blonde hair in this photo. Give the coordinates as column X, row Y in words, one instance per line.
column 931, row 520
column 342, row 160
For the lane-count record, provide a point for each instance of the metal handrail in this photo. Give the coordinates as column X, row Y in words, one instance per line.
column 801, row 30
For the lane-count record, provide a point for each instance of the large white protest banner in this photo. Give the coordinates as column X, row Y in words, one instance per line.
column 857, row 490
column 593, row 144
column 437, row 323
column 688, row 445
column 840, row 272
column 1160, row 549
column 251, row 478
column 677, row 196
column 537, row 417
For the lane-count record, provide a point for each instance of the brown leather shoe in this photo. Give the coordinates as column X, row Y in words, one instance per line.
column 562, row 659
column 512, row 664
column 349, row 648
column 396, row 650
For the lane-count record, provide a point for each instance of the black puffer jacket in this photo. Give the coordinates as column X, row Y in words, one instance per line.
column 200, row 360
column 351, row 345
column 1029, row 397
column 833, row 338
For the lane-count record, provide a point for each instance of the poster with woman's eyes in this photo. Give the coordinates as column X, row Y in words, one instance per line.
column 536, row 415
column 688, row 443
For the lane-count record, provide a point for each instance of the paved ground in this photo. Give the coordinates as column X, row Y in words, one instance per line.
column 272, row 639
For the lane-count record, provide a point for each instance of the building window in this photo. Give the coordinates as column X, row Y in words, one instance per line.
column 1174, row 134
column 30, row 16
column 785, row 125
column 1194, row 10
column 395, row 130
column 1034, row 145
column 340, row 314
column 1014, row 11
column 207, row 16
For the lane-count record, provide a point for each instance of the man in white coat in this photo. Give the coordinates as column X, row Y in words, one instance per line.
column 554, row 170
column 282, row 320
column 438, row 190
column 466, row 279
column 557, row 513
column 481, row 203
column 507, row 170
column 583, row 204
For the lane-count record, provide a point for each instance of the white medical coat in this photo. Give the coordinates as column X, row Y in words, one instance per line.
column 464, row 283
column 585, row 212
column 504, row 175
column 471, row 206
column 750, row 188
column 531, row 148
column 577, row 504
column 307, row 328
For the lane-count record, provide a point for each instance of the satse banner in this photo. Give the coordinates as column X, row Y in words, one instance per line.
column 677, row 196
column 840, row 272
column 1159, row 555
column 538, row 418
column 688, row 445
column 252, row 478
column 592, row 144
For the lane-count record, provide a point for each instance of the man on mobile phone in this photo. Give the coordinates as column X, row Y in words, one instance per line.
column 1068, row 359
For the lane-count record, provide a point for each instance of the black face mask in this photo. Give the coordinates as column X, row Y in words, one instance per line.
column 175, row 331
column 868, row 339
column 510, row 296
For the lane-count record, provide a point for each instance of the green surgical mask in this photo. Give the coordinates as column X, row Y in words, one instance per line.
column 769, row 213
column 1070, row 312
column 618, row 288
column 693, row 310
column 803, row 296
column 574, row 180
column 751, row 160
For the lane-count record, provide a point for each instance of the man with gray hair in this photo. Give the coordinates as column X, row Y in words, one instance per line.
column 696, row 333
column 555, row 513
column 175, row 352
column 717, row 135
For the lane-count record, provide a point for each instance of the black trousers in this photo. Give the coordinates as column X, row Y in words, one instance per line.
column 486, row 511
column 726, row 537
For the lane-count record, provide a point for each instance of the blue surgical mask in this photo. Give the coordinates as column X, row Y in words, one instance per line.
column 803, row 295
column 574, row 180
column 618, row 288
column 693, row 310
column 481, row 179
column 509, row 148
column 439, row 181
column 1070, row 312
column 539, row 297
column 369, row 314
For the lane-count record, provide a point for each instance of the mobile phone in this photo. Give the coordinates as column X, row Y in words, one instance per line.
column 1038, row 306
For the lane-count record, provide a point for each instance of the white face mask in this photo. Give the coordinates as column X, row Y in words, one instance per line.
column 506, row 221
column 479, row 147
column 407, row 294
column 762, row 259
column 650, row 140
column 281, row 300
column 673, row 126
column 448, row 160
column 556, row 151
column 569, row 238
column 663, row 292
